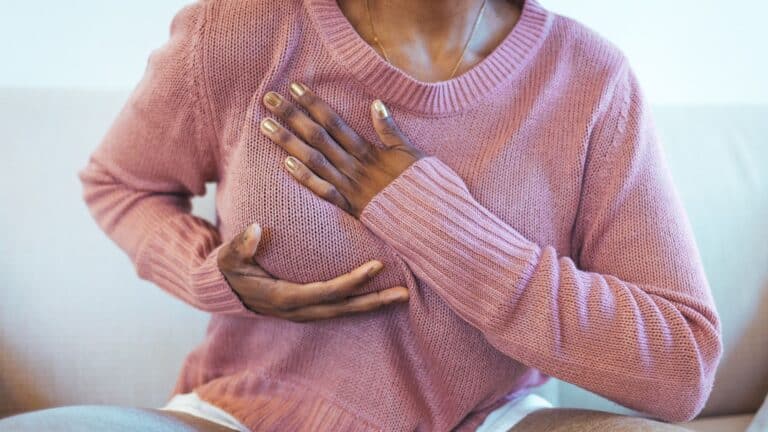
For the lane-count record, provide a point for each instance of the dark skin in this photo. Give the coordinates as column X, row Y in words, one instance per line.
column 267, row 295
column 424, row 39
column 337, row 165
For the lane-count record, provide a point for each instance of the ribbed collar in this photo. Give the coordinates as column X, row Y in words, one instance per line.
column 395, row 87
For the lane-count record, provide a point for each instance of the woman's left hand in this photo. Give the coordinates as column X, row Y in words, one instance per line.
column 330, row 158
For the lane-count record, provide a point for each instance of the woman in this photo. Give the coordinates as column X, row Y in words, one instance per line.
column 495, row 162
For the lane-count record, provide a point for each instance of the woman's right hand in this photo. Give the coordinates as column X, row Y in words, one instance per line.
column 266, row 295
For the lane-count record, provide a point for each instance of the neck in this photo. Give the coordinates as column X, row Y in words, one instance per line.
column 429, row 36
column 444, row 19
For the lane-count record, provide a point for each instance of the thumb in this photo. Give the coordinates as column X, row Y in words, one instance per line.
column 249, row 242
column 385, row 126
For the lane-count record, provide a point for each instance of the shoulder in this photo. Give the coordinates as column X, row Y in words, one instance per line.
column 235, row 21
column 241, row 40
column 584, row 55
column 250, row 21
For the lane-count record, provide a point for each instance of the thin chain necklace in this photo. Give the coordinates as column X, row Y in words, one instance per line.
column 384, row 51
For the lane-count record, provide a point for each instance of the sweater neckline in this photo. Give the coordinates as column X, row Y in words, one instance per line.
column 397, row 88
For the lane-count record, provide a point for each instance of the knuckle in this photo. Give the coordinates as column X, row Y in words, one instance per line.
column 355, row 172
column 338, row 199
column 315, row 159
column 304, row 176
column 329, row 192
column 289, row 110
column 378, row 300
column 282, row 135
column 222, row 257
column 368, row 156
column 346, row 305
column 335, row 124
column 317, row 136
column 311, row 101
column 281, row 301
column 390, row 131
column 227, row 255
column 321, row 291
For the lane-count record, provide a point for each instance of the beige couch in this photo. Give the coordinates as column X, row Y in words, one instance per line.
column 77, row 326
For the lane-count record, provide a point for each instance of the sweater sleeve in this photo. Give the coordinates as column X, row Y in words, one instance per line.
column 155, row 156
column 634, row 322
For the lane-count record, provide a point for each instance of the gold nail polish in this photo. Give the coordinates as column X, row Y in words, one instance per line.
column 290, row 162
column 272, row 99
column 269, row 125
column 381, row 110
column 297, row 89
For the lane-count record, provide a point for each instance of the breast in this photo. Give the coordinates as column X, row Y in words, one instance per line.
column 305, row 238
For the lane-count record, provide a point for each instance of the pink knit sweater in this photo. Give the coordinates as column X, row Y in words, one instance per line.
column 543, row 236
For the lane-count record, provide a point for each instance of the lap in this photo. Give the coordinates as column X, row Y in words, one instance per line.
column 584, row 420
column 92, row 418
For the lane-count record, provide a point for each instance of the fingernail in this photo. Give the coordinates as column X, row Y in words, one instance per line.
column 253, row 231
column 297, row 89
column 381, row 110
column 269, row 125
column 375, row 268
column 272, row 99
column 395, row 296
column 291, row 163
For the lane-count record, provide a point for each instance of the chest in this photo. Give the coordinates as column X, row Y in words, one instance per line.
column 525, row 173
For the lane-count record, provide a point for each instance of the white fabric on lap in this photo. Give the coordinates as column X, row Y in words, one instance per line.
column 504, row 417
column 499, row 420
column 191, row 403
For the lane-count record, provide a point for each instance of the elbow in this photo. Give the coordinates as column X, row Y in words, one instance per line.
column 90, row 178
column 686, row 403
column 687, row 398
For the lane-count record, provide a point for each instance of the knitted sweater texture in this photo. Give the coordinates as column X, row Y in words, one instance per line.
column 542, row 236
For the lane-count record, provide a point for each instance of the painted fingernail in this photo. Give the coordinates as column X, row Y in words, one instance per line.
column 269, row 125
column 375, row 268
column 381, row 110
column 272, row 99
column 297, row 89
column 291, row 163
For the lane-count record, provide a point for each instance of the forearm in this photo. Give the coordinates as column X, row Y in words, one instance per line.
column 595, row 330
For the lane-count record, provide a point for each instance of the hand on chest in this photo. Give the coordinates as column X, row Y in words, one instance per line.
column 307, row 238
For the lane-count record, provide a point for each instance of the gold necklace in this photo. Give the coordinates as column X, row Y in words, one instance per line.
column 384, row 51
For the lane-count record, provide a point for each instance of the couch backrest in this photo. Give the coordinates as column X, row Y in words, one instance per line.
column 77, row 325
column 718, row 156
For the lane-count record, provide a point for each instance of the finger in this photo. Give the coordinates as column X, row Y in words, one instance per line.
column 320, row 187
column 288, row 295
column 242, row 248
column 331, row 121
column 308, row 130
column 350, row 305
column 309, row 156
column 385, row 126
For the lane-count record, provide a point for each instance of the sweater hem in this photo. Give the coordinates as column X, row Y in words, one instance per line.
column 265, row 404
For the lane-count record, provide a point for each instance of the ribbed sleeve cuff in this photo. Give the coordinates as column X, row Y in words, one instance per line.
column 181, row 257
column 212, row 289
column 429, row 216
